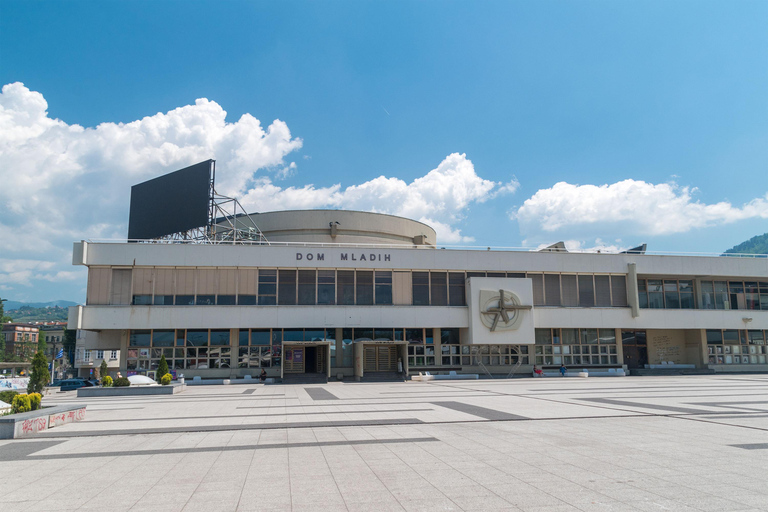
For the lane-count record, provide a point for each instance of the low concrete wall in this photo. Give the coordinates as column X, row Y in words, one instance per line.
column 131, row 391
column 27, row 424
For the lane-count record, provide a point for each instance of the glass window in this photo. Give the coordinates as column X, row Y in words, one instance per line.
column 267, row 287
column 219, row 337
column 456, row 292
column 607, row 336
column 383, row 287
column 655, row 294
column 586, row 292
column 185, row 300
column 260, row 337
column 162, row 338
column 246, row 300
column 671, row 296
column 364, row 287
column 197, row 338
column 439, row 288
column 206, row 300
column 543, row 336
column 714, row 336
column 345, row 291
column 225, row 300
column 242, row 337
column 163, row 300
column 139, row 338
column 286, row 287
column 707, row 295
column 589, row 336
column 293, row 335
column 721, row 295
column 326, row 286
column 414, row 335
column 619, row 291
column 602, row 291
column 731, row 336
column 307, row 287
column 142, row 300
column 449, row 336
column 538, row 288
column 552, row 289
column 420, row 287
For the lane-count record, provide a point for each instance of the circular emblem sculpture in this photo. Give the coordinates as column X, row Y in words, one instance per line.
column 501, row 311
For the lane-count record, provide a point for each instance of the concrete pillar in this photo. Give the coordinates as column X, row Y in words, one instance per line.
column 358, row 351
column 234, row 345
column 339, row 347
column 619, row 348
column 632, row 293
column 123, row 367
column 438, row 346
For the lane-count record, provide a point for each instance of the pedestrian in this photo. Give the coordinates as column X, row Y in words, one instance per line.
column 263, row 375
column 537, row 372
column 563, row 370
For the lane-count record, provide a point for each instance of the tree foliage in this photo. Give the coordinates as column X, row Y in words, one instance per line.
column 70, row 340
column 39, row 376
column 103, row 370
column 755, row 245
column 162, row 368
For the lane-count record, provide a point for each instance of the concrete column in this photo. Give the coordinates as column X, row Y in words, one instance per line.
column 123, row 367
column 438, row 345
column 358, row 351
column 619, row 348
column 632, row 293
column 339, row 347
column 234, row 345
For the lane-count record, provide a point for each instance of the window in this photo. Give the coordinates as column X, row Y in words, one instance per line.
column 456, row 289
column 439, row 288
column 581, row 347
column 113, row 355
column 286, row 287
column 99, row 354
column 742, row 347
column 307, row 283
column 383, row 288
column 87, row 356
column 142, row 300
column 225, row 300
column 345, row 290
column 420, row 287
column 364, row 287
column 586, row 291
column 552, row 289
column 326, row 286
column 267, row 287
column 672, row 294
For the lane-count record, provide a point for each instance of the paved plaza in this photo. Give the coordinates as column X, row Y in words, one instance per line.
column 637, row 443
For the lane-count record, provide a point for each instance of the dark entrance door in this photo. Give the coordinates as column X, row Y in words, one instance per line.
column 635, row 349
column 310, row 359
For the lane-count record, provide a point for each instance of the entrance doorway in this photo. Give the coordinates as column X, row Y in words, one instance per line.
column 305, row 359
column 635, row 347
column 380, row 358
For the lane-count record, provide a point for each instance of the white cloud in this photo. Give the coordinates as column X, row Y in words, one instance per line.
column 630, row 206
column 63, row 182
column 441, row 196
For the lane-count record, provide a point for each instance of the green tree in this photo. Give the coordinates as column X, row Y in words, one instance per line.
column 69, row 345
column 39, row 376
column 2, row 347
column 42, row 346
column 162, row 368
column 103, row 370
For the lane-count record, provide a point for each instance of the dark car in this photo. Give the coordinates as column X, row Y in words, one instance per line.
column 71, row 384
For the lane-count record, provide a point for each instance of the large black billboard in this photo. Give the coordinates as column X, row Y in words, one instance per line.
column 172, row 203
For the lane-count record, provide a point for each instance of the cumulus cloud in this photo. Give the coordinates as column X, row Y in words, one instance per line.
column 439, row 198
column 63, row 182
column 631, row 206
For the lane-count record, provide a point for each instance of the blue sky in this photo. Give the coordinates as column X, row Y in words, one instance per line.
column 651, row 116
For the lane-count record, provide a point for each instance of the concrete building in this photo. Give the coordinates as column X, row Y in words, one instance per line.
column 20, row 340
column 345, row 294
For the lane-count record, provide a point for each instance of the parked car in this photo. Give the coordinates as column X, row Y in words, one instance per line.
column 72, row 384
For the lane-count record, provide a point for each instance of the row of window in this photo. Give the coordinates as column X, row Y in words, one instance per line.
column 680, row 294
column 88, row 354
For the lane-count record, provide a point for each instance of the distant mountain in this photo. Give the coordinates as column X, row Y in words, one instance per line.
column 13, row 304
column 755, row 245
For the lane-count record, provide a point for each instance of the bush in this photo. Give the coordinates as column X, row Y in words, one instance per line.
column 7, row 396
column 107, row 381
column 121, row 381
column 35, row 400
column 166, row 379
column 103, row 370
column 21, row 403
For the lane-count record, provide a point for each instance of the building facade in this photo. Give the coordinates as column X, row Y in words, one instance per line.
column 20, row 341
column 347, row 294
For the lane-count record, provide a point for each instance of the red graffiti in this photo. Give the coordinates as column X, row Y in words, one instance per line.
column 80, row 414
column 28, row 426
